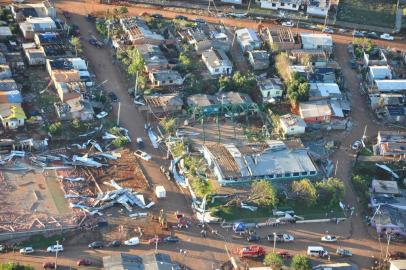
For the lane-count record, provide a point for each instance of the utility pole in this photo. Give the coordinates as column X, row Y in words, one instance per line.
column 274, row 242
column 56, row 255
column 118, row 113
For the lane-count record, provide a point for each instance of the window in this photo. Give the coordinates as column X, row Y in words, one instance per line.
column 271, row 176
column 170, row 81
column 312, row 172
column 216, row 70
column 269, row 94
column 287, row 174
column 278, row 92
column 282, row 4
column 296, row 174
column 163, row 81
column 303, row 173
column 278, row 175
column 294, row 5
column 274, row 4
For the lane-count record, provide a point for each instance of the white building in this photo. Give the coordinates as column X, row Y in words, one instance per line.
column 35, row 25
column 397, row 265
column 318, row 8
column 292, row 124
column 248, row 39
column 235, row 2
column 393, row 86
column 271, row 88
column 281, row 4
column 379, row 73
column 217, row 62
column 312, row 41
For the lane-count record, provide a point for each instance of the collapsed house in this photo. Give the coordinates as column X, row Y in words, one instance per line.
column 391, row 143
column 274, row 160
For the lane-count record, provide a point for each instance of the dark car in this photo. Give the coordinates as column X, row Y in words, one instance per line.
column 114, row 243
column 156, row 16
column 181, row 17
column 83, row 262
column 90, row 18
column 357, row 34
column 253, row 238
column 171, row 239
column 200, row 20
column 66, row 14
column 96, row 244
column 113, row 97
column 95, row 43
column 48, row 265
column 284, row 254
column 372, row 35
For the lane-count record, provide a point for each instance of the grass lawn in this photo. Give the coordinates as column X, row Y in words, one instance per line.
column 372, row 12
column 232, row 213
column 57, row 194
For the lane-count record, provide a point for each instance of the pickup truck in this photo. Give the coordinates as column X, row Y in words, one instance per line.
column 281, row 237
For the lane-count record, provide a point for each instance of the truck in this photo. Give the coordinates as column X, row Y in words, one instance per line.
column 250, row 252
column 281, row 238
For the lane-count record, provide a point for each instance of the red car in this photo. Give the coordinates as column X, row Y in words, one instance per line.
column 284, row 254
column 155, row 240
column 83, row 262
column 48, row 265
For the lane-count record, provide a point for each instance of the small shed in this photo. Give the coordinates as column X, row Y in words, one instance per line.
column 160, row 192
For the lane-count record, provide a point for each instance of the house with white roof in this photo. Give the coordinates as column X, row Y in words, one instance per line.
column 291, row 124
column 248, row 39
column 318, row 8
column 35, row 25
column 379, row 73
column 319, row 91
column 270, row 88
column 311, row 41
column 394, row 86
column 293, row 5
column 217, row 62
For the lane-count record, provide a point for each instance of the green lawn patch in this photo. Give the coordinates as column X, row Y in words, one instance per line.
column 379, row 13
column 57, row 194
column 42, row 242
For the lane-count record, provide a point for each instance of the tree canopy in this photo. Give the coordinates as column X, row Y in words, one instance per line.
column 273, row 260
column 305, row 191
column 263, row 194
column 330, row 192
column 15, row 266
column 300, row 262
column 77, row 44
column 298, row 88
column 238, row 82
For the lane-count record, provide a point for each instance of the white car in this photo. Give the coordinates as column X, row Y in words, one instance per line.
column 386, row 36
column 328, row 30
column 132, row 241
column 143, row 155
column 26, row 250
column 288, row 24
column 101, row 115
column 288, row 237
column 55, row 248
column 329, row 238
column 356, row 145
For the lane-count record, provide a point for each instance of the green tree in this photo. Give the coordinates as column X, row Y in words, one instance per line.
column 55, row 128
column 298, row 88
column 274, row 261
column 15, row 266
column 301, row 262
column 169, row 124
column 330, row 192
column 305, row 192
column 120, row 141
column 77, row 44
column 137, row 62
column 123, row 10
column 263, row 194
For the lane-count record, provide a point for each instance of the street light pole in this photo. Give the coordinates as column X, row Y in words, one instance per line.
column 56, row 255
column 118, row 113
column 274, row 242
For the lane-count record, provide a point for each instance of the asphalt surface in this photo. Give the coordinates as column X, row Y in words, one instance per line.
column 209, row 252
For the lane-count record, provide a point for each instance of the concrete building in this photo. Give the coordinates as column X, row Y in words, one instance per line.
column 35, row 25
column 162, row 104
column 139, row 33
column 217, row 62
column 270, row 88
column 5, row 72
column 282, row 39
column 391, row 143
column 162, row 78
column 8, row 85
column 310, row 57
column 248, row 39
column 389, row 86
column 336, row 266
column 12, row 116
column 25, row 10
column 389, row 219
column 5, row 32
column 259, row 60
column 379, row 73
column 375, row 58
column 384, row 187
column 312, row 41
column 292, row 124
column 35, row 56
column 316, row 112
column 293, row 5
column 48, row 38
column 235, row 164
column 320, row 91
column 153, row 57
column 318, row 8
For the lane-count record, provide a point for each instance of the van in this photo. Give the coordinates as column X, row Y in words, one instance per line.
column 316, row 251
column 55, row 248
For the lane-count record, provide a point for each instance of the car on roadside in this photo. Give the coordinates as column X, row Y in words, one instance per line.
column 200, row 20
column 155, row 240
column 284, row 254
column 342, row 30
column 112, row 96
column 343, row 252
column 142, row 155
column 48, row 265
column 353, row 63
column 156, row 16
column 90, row 18
column 253, row 238
column 96, row 244
column 132, row 241
column 327, row 30
column 26, row 250
column 181, row 17
column 356, row 145
column 114, row 243
column 329, row 238
column 83, row 262
column 3, row 248
column 356, row 33
column 288, row 24
column 386, row 36
column 95, row 42
column 140, row 143
column 171, row 239
column 55, row 248
column 372, row 35
column 101, row 115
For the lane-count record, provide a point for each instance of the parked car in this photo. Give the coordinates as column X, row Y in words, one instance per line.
column 112, row 96
column 327, row 30
column 3, row 248
column 288, row 24
column 83, row 262
column 48, row 265
column 386, row 36
column 140, row 143
column 284, row 254
column 281, row 237
column 132, row 241
column 356, row 145
column 114, row 243
column 329, row 238
column 142, row 155
column 357, row 33
column 155, row 240
column 344, row 252
column 55, row 248
column 372, row 35
column 90, row 18
column 156, row 16
column 181, row 17
column 101, row 115
column 200, row 20
column 26, row 250
column 95, row 43
column 171, row 239
column 96, row 244
column 353, row 63
column 253, row 238
column 342, row 30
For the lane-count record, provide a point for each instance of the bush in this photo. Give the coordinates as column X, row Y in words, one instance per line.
column 169, row 124
column 305, row 192
column 274, row 261
column 120, row 141
column 331, row 192
column 200, row 186
column 15, row 266
column 55, row 128
column 301, row 262
column 102, row 29
column 76, row 124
